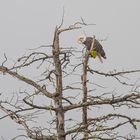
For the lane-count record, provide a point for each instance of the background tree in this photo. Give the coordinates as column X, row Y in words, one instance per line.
column 63, row 89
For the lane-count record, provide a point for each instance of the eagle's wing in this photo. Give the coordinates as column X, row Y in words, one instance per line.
column 99, row 49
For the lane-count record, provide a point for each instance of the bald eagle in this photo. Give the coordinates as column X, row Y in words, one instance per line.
column 97, row 48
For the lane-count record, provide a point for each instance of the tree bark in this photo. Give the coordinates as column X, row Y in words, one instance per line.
column 58, row 95
column 85, row 92
column 84, row 86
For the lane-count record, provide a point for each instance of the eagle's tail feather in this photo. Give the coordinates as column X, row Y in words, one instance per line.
column 100, row 58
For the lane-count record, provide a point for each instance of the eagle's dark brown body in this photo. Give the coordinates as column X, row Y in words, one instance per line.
column 97, row 46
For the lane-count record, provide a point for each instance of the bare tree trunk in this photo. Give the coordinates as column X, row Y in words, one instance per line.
column 58, row 94
column 84, row 84
column 85, row 92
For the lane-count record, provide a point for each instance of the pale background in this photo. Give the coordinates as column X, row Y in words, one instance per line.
column 28, row 24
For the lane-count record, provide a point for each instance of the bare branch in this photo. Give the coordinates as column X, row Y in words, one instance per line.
column 26, row 80
column 38, row 107
column 62, row 20
column 113, row 73
column 110, row 101
column 19, row 120
column 4, row 60
column 31, row 58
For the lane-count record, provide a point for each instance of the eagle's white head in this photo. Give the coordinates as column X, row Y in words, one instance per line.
column 81, row 39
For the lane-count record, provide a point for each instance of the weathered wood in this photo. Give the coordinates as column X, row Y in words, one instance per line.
column 59, row 85
column 85, row 93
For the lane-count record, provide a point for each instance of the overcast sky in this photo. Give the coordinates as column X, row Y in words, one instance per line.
column 30, row 23
column 26, row 24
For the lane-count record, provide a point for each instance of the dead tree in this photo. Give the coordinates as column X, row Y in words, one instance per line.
column 55, row 62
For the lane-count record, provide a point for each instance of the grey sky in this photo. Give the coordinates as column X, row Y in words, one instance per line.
column 28, row 24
